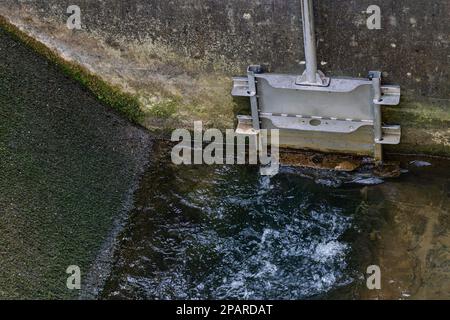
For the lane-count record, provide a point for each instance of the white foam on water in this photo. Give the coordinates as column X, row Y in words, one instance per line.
column 255, row 241
column 368, row 181
column 292, row 262
column 327, row 251
column 420, row 164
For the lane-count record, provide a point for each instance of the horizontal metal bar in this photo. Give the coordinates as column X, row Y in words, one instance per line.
column 287, row 81
column 315, row 124
column 268, row 114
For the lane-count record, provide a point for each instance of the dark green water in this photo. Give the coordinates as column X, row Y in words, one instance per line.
column 226, row 232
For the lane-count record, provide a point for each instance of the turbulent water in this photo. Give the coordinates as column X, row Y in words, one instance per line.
column 226, row 232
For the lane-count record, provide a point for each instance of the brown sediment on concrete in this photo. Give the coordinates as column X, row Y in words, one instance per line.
column 321, row 161
column 176, row 59
column 339, row 162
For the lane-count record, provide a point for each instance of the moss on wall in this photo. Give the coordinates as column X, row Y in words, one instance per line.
column 425, row 126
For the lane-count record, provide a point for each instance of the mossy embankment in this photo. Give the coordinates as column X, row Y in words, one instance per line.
column 123, row 102
column 148, row 83
column 69, row 166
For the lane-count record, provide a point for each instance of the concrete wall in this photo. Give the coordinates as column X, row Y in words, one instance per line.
column 196, row 45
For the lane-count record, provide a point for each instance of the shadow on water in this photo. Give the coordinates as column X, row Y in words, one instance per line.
column 226, row 232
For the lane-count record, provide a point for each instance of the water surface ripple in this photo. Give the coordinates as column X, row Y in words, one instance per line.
column 226, row 232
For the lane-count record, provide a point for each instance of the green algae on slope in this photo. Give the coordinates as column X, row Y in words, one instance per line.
column 123, row 102
column 141, row 91
column 68, row 163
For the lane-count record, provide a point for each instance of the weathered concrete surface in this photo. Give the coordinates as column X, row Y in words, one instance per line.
column 69, row 166
column 178, row 55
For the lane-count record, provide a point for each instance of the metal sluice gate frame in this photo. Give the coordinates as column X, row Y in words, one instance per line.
column 315, row 112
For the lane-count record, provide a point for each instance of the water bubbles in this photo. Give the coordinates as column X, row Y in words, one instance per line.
column 248, row 238
column 327, row 251
column 237, row 284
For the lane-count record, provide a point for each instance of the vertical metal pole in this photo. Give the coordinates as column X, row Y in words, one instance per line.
column 309, row 38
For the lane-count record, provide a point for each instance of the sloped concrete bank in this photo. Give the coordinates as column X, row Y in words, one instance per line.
column 69, row 167
column 176, row 58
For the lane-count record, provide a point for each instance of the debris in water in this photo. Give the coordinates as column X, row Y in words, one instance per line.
column 420, row 164
column 406, row 295
column 368, row 181
column 329, row 182
column 388, row 170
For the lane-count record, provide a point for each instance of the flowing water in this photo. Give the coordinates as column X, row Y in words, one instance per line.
column 222, row 232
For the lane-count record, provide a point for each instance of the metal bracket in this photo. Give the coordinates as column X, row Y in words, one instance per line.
column 320, row 80
column 387, row 95
column 251, row 71
column 391, row 134
column 245, row 126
